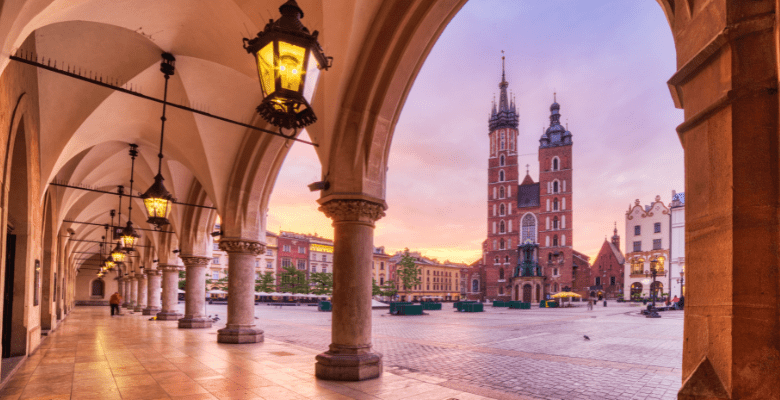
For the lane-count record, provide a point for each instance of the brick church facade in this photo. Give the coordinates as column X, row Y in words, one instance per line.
column 528, row 253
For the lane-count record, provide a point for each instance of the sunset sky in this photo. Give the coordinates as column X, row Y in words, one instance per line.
column 608, row 63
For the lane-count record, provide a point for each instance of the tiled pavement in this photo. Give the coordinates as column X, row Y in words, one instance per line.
column 506, row 354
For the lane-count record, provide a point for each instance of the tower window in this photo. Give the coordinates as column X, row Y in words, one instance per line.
column 503, row 140
column 555, row 224
column 502, row 160
column 528, row 228
column 501, row 176
column 496, row 259
column 502, row 244
column 501, row 228
column 502, row 209
column 555, row 241
column 501, row 193
column 501, row 273
column 555, row 164
column 555, row 204
column 555, row 187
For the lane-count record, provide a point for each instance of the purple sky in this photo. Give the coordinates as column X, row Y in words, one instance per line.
column 609, row 65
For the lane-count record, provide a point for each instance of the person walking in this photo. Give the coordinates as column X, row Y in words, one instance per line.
column 115, row 301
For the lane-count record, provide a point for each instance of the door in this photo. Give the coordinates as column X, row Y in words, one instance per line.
column 8, row 293
column 527, row 293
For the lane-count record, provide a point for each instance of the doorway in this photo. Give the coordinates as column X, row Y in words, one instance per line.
column 8, row 293
column 527, row 293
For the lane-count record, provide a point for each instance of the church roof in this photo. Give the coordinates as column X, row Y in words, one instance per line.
column 556, row 134
column 618, row 254
column 506, row 114
column 528, row 195
column 528, row 180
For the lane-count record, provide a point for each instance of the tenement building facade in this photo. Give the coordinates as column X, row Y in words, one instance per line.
column 647, row 249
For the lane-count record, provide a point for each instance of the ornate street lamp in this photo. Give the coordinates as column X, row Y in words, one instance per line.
column 653, row 273
column 157, row 199
column 288, row 60
column 129, row 235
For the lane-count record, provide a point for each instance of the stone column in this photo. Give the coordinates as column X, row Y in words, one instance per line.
column 241, row 291
column 119, row 287
column 153, row 294
column 195, row 293
column 350, row 357
column 727, row 82
column 125, row 291
column 141, row 303
column 133, row 292
column 170, row 292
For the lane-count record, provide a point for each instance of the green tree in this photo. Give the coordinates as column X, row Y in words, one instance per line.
column 266, row 283
column 376, row 290
column 293, row 281
column 182, row 280
column 323, row 282
column 407, row 271
column 389, row 289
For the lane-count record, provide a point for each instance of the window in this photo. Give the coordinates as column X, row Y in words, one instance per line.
column 500, row 176
column 269, row 265
column 555, row 288
column 98, row 288
column 215, row 260
column 302, row 249
column 638, row 246
column 496, row 260
column 656, row 244
column 501, row 193
column 637, row 266
column 501, row 229
column 555, row 223
column 612, row 280
column 314, row 268
column 502, row 160
column 216, row 246
column 475, row 285
column 555, row 241
column 555, row 204
column 598, row 280
column 500, row 290
column 555, row 187
column 269, row 252
column 528, row 228
column 302, row 264
column 657, row 227
column 324, row 269
column 555, row 164
column 313, row 257
column 215, row 275
column 382, row 266
column 506, row 259
column 501, row 243
column 637, row 230
column 381, row 280
column 286, row 248
column 324, row 257
column 257, row 263
column 286, row 262
column 502, row 208
column 555, row 272
column 503, row 141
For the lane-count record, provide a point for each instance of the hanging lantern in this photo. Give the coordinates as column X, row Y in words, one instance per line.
column 157, row 201
column 118, row 255
column 288, row 60
column 109, row 263
column 129, row 237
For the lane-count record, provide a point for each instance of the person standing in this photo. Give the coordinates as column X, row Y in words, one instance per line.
column 115, row 301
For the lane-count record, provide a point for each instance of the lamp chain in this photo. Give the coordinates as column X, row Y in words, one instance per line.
column 162, row 128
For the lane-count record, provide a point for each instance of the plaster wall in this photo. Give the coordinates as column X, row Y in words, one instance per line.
column 84, row 280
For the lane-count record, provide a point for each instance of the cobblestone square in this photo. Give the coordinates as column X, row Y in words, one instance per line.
column 502, row 353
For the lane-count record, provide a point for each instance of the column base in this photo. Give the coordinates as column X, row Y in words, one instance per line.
column 138, row 309
column 151, row 310
column 339, row 366
column 239, row 335
column 195, row 322
column 168, row 316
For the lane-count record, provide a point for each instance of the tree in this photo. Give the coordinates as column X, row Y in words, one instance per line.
column 389, row 289
column 407, row 272
column 323, row 282
column 376, row 290
column 182, row 280
column 266, row 283
column 293, row 280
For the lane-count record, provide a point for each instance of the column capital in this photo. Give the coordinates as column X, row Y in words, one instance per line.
column 140, row 276
column 195, row 261
column 170, row 267
column 152, row 272
column 238, row 245
column 356, row 208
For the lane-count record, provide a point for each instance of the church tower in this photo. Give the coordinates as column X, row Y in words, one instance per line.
column 555, row 197
column 502, row 227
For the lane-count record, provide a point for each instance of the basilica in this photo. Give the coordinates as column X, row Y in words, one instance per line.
column 528, row 253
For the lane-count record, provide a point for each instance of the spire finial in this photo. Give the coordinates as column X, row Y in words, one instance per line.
column 503, row 74
column 527, row 166
column 555, row 96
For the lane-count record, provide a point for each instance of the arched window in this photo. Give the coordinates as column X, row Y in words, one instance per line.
column 506, row 259
column 503, row 160
column 555, row 204
column 501, row 273
column 555, row 186
column 475, row 285
column 555, row 164
column 549, row 256
column 496, row 259
column 555, row 224
column 502, row 229
column 501, row 193
column 502, row 208
column 98, row 288
column 500, row 290
column 501, row 176
column 503, row 141
column 528, row 230
column 501, row 245
column 555, row 241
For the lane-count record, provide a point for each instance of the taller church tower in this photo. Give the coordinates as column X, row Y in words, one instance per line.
column 502, row 241
column 555, row 200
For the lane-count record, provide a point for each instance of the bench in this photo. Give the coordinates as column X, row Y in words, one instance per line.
column 431, row 306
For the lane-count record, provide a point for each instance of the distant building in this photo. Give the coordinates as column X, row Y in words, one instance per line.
column 320, row 254
column 607, row 271
column 647, row 246
column 380, row 266
column 268, row 260
column 439, row 281
column 293, row 251
column 218, row 269
column 677, row 248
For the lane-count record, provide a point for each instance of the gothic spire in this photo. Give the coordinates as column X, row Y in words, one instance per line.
column 503, row 101
column 504, row 114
